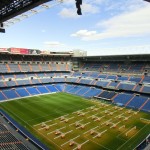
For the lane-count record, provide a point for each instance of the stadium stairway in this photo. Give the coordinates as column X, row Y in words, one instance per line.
column 59, row 87
column 122, row 98
column 82, row 91
column 2, row 96
column 144, row 104
column 42, row 89
column 10, row 93
column 32, row 90
column 84, row 94
column 146, row 107
column 52, row 88
column 130, row 100
column 22, row 92
column 137, row 102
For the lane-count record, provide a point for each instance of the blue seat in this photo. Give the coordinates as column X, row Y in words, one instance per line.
column 2, row 97
column 42, row 89
column 10, row 94
column 137, row 102
column 122, row 98
column 32, row 90
column 146, row 107
column 22, row 92
column 52, row 88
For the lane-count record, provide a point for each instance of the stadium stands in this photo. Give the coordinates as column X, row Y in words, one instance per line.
column 146, row 89
column 42, row 89
column 52, row 88
column 146, row 107
column 137, row 102
column 107, row 94
column 126, row 86
column 9, row 141
column 22, row 92
column 2, row 96
column 92, row 92
column 32, row 90
column 122, row 98
column 114, row 67
column 10, row 93
column 41, row 75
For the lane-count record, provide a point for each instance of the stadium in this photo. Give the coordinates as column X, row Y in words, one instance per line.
column 74, row 102
column 68, row 100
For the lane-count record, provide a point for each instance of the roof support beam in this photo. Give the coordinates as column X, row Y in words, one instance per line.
column 15, row 8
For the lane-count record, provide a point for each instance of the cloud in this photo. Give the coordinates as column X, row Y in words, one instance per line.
column 53, row 44
column 84, row 33
column 135, row 23
column 89, row 8
column 122, row 5
column 68, row 13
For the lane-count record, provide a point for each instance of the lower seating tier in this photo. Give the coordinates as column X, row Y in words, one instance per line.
column 129, row 100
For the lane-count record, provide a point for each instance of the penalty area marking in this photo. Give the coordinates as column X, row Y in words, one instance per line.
column 131, row 137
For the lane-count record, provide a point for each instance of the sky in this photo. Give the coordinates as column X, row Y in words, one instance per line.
column 106, row 27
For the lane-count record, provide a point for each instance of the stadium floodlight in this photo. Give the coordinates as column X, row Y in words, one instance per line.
column 78, row 3
column 147, row 0
column 2, row 30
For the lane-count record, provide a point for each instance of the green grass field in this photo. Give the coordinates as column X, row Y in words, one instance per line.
column 67, row 122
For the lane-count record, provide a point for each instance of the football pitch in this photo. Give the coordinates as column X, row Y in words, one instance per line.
column 69, row 122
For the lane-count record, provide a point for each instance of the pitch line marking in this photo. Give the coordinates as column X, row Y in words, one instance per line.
column 36, row 130
column 50, row 140
column 98, row 144
column 132, row 137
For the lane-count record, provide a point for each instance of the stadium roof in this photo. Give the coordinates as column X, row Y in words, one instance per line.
column 12, row 8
